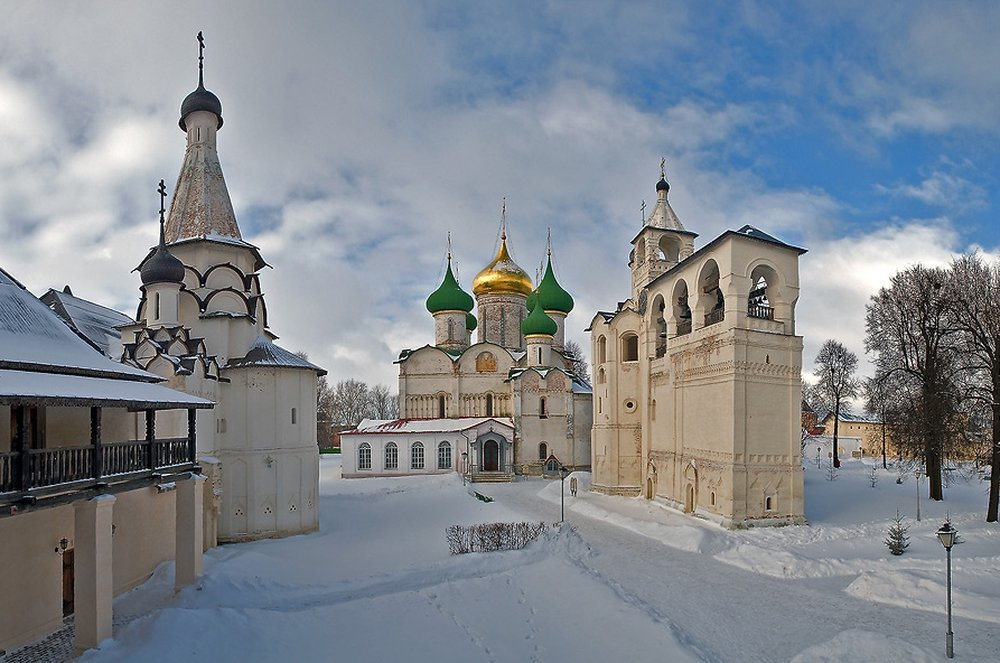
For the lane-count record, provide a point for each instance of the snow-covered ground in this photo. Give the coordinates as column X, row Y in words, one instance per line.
column 628, row 579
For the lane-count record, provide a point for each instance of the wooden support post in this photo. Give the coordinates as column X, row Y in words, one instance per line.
column 95, row 443
column 192, row 440
column 150, row 438
column 22, row 446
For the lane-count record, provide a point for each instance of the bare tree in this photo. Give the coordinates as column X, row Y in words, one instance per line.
column 350, row 402
column 835, row 367
column 879, row 400
column 976, row 298
column 575, row 354
column 384, row 405
column 911, row 331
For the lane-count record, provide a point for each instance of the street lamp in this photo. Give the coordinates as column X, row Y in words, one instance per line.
column 946, row 535
column 563, row 471
column 465, row 465
column 916, row 475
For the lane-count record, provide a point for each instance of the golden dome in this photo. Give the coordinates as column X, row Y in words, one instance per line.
column 502, row 276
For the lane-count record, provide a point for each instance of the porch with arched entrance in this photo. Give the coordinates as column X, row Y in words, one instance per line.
column 491, row 458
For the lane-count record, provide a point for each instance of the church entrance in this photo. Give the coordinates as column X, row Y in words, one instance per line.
column 649, row 489
column 491, row 456
column 689, row 502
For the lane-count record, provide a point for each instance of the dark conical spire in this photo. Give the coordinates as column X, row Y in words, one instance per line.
column 200, row 99
column 162, row 266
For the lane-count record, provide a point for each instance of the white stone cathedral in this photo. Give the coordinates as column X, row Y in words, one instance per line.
column 508, row 403
column 697, row 386
column 202, row 323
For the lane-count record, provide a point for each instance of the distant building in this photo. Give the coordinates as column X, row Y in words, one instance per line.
column 697, row 375
column 98, row 478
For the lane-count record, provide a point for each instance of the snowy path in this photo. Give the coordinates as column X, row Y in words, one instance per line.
column 731, row 614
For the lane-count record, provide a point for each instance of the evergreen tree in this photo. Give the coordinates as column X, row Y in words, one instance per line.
column 897, row 540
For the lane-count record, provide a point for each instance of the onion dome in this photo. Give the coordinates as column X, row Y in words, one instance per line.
column 538, row 323
column 663, row 185
column 532, row 300
column 162, row 266
column 201, row 99
column 470, row 322
column 449, row 296
column 551, row 295
column 502, row 276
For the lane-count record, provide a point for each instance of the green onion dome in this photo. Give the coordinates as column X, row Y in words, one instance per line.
column 470, row 322
column 538, row 323
column 532, row 299
column 449, row 296
column 551, row 295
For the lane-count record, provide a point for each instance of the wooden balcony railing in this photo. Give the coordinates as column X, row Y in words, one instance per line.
column 49, row 467
column 9, row 469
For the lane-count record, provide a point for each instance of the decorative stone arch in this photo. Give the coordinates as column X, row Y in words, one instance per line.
column 680, row 309
column 768, row 297
column 192, row 278
column 225, row 275
column 629, row 346
column 669, row 247
column 650, row 480
column 711, row 303
column 602, row 349
column 640, row 251
column 658, row 324
column 227, row 300
column 690, row 487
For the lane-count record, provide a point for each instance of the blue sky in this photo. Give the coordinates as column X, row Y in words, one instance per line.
column 358, row 134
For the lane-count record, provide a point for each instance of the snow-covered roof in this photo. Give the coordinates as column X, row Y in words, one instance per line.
column 369, row 426
column 97, row 323
column 33, row 388
column 33, row 338
column 263, row 352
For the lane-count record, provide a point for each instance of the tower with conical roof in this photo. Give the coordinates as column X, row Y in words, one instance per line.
column 501, row 289
column 662, row 242
column 451, row 306
column 219, row 344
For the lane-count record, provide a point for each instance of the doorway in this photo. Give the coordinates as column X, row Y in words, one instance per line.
column 689, row 500
column 491, row 456
column 67, row 582
column 649, row 488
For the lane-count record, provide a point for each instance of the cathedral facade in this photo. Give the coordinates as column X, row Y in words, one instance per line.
column 697, row 384
column 202, row 323
column 509, row 398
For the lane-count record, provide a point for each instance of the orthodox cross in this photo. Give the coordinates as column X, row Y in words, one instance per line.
column 548, row 248
column 162, row 189
column 503, row 219
column 449, row 246
column 201, row 59
column 663, row 166
column 642, row 210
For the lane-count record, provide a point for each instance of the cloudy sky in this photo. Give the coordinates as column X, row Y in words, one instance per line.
column 358, row 134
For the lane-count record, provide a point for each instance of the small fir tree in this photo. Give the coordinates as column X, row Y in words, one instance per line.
column 873, row 476
column 831, row 472
column 897, row 540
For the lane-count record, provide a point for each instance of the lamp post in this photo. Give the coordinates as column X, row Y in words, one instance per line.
column 465, row 465
column 946, row 535
column 563, row 471
column 916, row 475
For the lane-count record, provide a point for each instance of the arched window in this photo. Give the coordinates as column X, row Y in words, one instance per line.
column 489, row 405
column 365, row 456
column 541, row 408
column 600, row 376
column 767, row 503
column 391, row 456
column 441, row 406
column 602, row 350
column 543, row 451
column 444, row 455
column 417, row 456
column 630, row 347
column 552, row 466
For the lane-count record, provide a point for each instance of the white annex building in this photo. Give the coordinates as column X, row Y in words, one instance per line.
column 697, row 387
column 202, row 323
column 510, row 401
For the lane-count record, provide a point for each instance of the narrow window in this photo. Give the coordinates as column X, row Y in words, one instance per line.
column 293, row 415
column 391, row 456
column 417, row 456
column 444, row 456
column 365, row 456
column 543, row 451
column 539, row 356
column 489, row 405
column 767, row 503
column 713, row 498
column 441, row 406
column 156, row 305
column 541, row 408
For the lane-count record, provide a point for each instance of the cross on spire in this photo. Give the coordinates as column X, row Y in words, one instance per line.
column 642, row 210
column 449, row 246
column 503, row 219
column 663, row 168
column 548, row 243
column 201, row 60
column 162, row 190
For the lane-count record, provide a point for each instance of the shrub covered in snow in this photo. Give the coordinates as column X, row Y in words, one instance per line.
column 491, row 536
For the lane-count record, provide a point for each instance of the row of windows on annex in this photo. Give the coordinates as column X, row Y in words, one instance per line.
column 710, row 307
column 442, row 409
column 417, row 456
